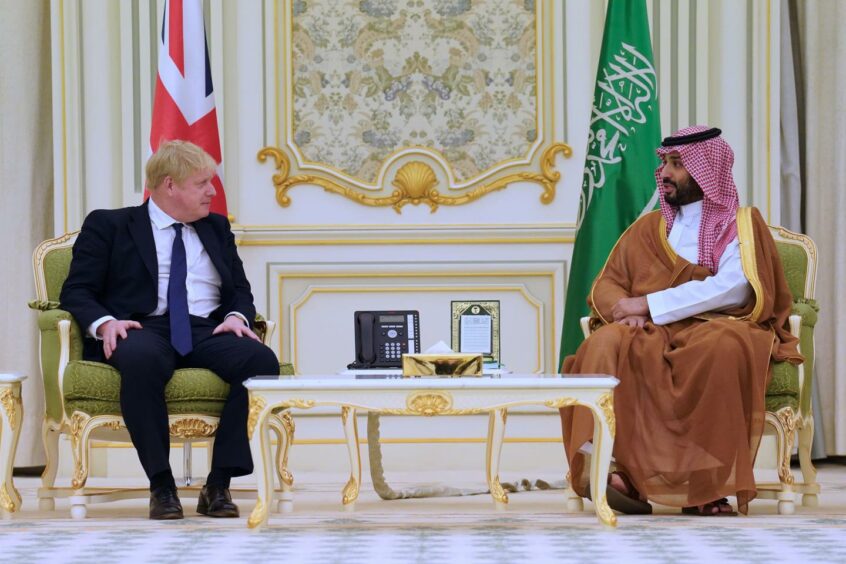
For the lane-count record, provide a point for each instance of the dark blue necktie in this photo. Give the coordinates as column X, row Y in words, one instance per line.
column 177, row 296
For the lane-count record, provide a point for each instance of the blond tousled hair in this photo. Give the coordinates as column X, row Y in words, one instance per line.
column 178, row 160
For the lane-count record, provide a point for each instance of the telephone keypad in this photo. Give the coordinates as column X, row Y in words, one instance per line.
column 392, row 351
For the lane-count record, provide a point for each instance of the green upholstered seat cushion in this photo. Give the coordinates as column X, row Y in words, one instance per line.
column 94, row 388
column 785, row 380
column 85, row 379
column 101, row 407
column 775, row 402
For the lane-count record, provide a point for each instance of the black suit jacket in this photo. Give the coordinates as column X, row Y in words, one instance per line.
column 114, row 270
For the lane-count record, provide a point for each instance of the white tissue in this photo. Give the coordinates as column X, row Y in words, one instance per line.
column 439, row 348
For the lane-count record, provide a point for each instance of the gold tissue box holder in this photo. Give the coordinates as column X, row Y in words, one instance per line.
column 441, row 365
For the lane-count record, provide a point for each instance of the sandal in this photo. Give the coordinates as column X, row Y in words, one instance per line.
column 707, row 510
column 623, row 502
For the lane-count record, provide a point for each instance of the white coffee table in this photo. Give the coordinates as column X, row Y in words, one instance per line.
column 428, row 397
column 11, row 417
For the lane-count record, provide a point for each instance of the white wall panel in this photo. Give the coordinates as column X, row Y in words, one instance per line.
column 491, row 263
column 101, row 104
column 68, row 149
column 321, row 340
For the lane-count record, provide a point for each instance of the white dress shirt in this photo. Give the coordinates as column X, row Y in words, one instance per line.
column 202, row 281
column 727, row 289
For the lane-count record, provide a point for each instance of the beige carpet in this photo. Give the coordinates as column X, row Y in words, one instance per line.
column 534, row 528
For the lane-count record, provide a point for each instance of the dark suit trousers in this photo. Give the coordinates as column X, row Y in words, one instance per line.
column 146, row 361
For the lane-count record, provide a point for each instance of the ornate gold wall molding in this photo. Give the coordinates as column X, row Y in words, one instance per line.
column 415, row 182
column 394, row 121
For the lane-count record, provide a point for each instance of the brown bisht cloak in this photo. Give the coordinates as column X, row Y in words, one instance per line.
column 690, row 403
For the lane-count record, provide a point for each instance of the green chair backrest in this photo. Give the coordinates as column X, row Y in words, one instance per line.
column 51, row 264
column 795, row 262
column 56, row 267
column 799, row 258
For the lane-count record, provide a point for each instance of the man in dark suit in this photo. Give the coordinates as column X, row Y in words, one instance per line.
column 159, row 287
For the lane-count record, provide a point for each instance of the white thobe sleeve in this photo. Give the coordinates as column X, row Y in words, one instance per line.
column 727, row 289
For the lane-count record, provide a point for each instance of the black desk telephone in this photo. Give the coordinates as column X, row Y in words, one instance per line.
column 382, row 337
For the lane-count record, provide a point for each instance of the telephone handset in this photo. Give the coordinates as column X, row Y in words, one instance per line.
column 382, row 337
column 365, row 351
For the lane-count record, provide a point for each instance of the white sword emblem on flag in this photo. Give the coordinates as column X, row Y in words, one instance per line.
column 628, row 84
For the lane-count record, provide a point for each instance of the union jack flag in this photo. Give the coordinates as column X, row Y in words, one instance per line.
column 183, row 106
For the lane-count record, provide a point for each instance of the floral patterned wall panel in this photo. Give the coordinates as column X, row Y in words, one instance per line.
column 391, row 102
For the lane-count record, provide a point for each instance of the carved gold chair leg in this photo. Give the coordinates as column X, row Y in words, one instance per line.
column 786, row 437
column 50, row 438
column 80, row 429
column 810, row 487
column 79, row 447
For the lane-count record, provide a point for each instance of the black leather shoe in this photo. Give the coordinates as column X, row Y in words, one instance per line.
column 164, row 503
column 216, row 501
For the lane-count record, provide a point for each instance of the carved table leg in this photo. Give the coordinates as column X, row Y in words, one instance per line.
column 496, row 432
column 350, row 493
column 11, row 416
column 260, row 447
column 286, row 438
column 604, row 429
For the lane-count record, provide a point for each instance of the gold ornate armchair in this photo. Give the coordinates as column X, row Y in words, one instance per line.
column 789, row 405
column 83, row 398
column 788, row 400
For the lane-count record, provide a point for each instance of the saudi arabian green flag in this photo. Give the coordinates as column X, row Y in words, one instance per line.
column 619, row 182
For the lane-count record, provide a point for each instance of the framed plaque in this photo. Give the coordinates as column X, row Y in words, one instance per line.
column 475, row 329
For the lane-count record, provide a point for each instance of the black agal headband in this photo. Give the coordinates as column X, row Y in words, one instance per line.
column 691, row 138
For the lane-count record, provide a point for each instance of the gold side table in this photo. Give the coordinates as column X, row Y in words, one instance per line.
column 11, row 418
